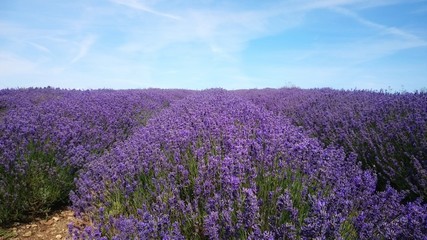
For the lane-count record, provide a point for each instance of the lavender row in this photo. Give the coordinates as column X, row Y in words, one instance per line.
column 16, row 98
column 215, row 166
column 50, row 134
column 387, row 131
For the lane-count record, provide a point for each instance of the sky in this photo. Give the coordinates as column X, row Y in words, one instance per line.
column 200, row 44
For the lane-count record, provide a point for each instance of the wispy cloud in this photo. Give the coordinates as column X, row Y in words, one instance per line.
column 224, row 32
column 180, row 43
column 84, row 47
column 135, row 4
column 304, row 5
column 309, row 5
column 417, row 41
column 11, row 65
column 39, row 47
column 227, row 31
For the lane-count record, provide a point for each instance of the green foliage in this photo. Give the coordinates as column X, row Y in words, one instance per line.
column 347, row 230
column 43, row 184
column 272, row 185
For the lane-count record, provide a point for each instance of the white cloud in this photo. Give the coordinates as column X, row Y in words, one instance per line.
column 417, row 41
column 84, row 47
column 135, row 4
column 224, row 32
column 183, row 44
column 308, row 5
column 11, row 65
column 39, row 47
column 227, row 31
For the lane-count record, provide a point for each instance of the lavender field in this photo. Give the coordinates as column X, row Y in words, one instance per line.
column 215, row 164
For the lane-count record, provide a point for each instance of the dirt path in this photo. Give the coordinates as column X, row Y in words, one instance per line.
column 54, row 226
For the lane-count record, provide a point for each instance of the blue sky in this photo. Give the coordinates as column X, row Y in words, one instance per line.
column 198, row 44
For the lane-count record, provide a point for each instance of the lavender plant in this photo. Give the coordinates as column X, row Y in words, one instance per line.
column 215, row 166
column 50, row 136
column 387, row 131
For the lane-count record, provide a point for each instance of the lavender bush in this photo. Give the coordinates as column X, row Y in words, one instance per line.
column 387, row 131
column 46, row 135
column 216, row 166
column 16, row 98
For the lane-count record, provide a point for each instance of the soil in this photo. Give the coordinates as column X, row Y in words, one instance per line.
column 54, row 226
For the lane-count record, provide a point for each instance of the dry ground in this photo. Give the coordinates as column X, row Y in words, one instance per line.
column 54, row 226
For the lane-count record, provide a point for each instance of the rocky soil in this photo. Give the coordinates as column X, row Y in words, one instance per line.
column 54, row 226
